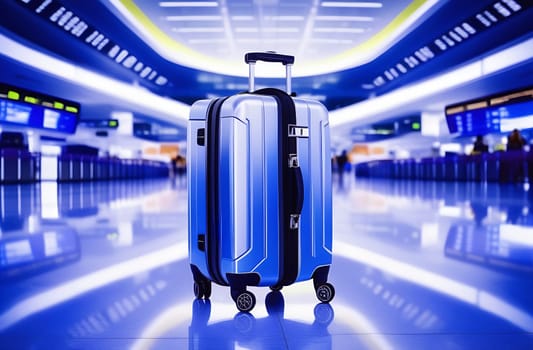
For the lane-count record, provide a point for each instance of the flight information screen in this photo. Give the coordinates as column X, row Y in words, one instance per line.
column 474, row 122
column 494, row 114
column 35, row 110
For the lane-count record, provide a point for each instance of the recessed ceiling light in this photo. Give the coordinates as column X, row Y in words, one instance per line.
column 502, row 9
column 145, row 72
column 193, row 18
column 461, row 32
column 280, row 30
column 339, row 30
column 440, row 44
column 152, row 75
column 513, row 5
column 449, row 41
column 207, row 41
column 129, row 62
column 188, row 4
column 331, row 41
column 161, row 80
column 490, row 16
column 351, row 4
column 138, row 67
column 455, row 36
column 421, row 56
column 344, row 18
column 401, row 68
column 199, row 30
column 280, row 40
column 242, row 18
column 284, row 18
column 121, row 56
column 246, row 30
column 483, row 20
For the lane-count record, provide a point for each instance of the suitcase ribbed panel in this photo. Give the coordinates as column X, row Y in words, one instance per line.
column 249, row 183
column 315, row 161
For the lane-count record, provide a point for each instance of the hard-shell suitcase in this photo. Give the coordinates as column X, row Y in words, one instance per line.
column 259, row 185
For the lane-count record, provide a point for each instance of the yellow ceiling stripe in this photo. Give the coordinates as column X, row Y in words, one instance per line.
column 157, row 34
column 365, row 48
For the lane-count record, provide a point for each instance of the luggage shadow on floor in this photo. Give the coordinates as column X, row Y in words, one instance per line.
column 247, row 331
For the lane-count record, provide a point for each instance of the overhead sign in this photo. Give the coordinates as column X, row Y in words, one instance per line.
column 21, row 107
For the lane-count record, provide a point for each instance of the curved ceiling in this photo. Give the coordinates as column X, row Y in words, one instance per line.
column 326, row 36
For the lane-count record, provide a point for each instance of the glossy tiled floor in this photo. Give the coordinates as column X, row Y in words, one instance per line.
column 417, row 265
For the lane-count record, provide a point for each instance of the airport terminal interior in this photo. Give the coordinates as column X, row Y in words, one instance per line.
column 430, row 108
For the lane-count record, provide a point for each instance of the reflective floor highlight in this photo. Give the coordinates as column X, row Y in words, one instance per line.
column 417, row 265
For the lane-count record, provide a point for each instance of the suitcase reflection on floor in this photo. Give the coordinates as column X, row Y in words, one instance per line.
column 244, row 330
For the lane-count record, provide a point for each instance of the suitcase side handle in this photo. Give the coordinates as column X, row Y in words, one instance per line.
column 252, row 57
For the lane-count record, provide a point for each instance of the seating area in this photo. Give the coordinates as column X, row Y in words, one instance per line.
column 504, row 167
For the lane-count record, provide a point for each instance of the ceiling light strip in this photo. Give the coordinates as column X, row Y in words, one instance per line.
column 199, row 30
column 349, row 4
column 492, row 64
column 227, row 25
column 188, row 4
column 163, row 44
column 454, row 36
column 338, row 30
column 344, row 18
column 57, row 14
column 280, row 30
column 242, row 18
column 192, row 18
column 246, row 30
column 308, row 29
column 332, row 41
column 376, row 45
column 170, row 110
column 284, row 18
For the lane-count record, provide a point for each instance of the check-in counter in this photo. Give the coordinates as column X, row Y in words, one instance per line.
column 72, row 168
column 18, row 166
column 513, row 166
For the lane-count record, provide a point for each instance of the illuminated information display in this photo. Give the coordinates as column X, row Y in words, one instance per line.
column 474, row 122
column 493, row 114
column 99, row 123
column 35, row 110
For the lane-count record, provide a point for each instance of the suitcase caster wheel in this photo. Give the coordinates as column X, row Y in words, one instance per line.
column 245, row 301
column 325, row 292
column 198, row 293
column 202, row 290
column 276, row 288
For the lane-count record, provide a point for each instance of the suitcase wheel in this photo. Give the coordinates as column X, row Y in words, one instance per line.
column 202, row 289
column 325, row 292
column 245, row 301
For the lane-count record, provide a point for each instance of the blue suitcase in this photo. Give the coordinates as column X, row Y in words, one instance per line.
column 259, row 181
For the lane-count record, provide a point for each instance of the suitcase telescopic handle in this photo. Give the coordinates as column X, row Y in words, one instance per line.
column 252, row 57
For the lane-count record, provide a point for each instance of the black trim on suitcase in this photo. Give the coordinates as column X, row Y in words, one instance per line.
column 212, row 201
column 291, row 187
